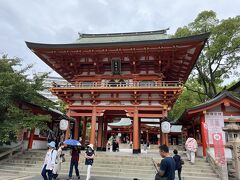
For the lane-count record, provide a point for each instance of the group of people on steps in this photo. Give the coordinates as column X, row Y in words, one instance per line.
column 54, row 158
column 169, row 164
column 166, row 171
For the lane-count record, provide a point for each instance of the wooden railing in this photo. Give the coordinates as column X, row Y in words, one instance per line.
column 9, row 153
column 95, row 85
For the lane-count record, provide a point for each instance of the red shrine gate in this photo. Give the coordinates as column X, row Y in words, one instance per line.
column 136, row 75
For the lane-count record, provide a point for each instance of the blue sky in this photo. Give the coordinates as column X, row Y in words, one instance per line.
column 55, row 21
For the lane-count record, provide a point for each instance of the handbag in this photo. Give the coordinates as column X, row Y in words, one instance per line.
column 181, row 162
column 158, row 177
column 63, row 158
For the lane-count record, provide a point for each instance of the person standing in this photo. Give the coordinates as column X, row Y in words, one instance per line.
column 89, row 155
column 191, row 147
column 59, row 160
column 49, row 162
column 167, row 165
column 178, row 162
column 74, row 162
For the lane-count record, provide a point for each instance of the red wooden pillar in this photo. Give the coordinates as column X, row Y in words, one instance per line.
column 100, row 134
column 163, row 138
column 166, row 139
column 203, row 135
column 67, row 133
column 105, row 134
column 147, row 134
column 93, row 126
column 76, row 128
column 84, row 129
column 139, row 133
column 30, row 141
column 130, row 136
column 136, row 143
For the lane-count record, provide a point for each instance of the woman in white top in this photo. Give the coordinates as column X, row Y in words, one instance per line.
column 49, row 162
column 59, row 160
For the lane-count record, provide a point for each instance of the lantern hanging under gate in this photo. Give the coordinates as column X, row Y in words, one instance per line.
column 63, row 124
column 166, row 127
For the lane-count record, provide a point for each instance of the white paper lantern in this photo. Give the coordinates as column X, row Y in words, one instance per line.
column 166, row 127
column 63, row 124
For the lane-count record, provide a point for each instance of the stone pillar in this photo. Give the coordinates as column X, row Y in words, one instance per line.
column 100, row 134
column 93, row 126
column 76, row 128
column 136, row 143
column 236, row 156
column 84, row 129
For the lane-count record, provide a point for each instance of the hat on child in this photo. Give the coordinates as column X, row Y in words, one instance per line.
column 52, row 144
column 91, row 146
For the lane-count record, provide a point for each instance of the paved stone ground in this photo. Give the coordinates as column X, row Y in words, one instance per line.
column 65, row 178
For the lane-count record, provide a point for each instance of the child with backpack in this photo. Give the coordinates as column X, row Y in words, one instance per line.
column 178, row 162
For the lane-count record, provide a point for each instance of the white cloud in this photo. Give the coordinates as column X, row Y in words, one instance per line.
column 60, row 21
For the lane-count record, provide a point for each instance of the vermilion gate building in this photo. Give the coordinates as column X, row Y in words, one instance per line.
column 136, row 75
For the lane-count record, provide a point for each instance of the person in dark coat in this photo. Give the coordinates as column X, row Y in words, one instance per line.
column 178, row 162
column 114, row 145
column 75, row 153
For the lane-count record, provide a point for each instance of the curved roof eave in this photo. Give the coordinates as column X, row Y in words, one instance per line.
column 202, row 37
column 213, row 101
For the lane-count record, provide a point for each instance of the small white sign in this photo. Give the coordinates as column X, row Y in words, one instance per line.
column 63, row 124
column 166, row 127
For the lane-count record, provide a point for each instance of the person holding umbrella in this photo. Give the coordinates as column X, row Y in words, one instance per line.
column 75, row 153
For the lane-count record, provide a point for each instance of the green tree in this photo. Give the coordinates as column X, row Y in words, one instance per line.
column 15, row 88
column 186, row 100
column 220, row 57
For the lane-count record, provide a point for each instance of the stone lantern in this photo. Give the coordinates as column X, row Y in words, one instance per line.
column 233, row 142
column 232, row 131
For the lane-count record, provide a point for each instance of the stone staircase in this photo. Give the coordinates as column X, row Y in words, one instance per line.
column 201, row 170
column 107, row 166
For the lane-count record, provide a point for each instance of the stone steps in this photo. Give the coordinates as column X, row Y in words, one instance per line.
column 115, row 166
column 93, row 173
column 5, row 175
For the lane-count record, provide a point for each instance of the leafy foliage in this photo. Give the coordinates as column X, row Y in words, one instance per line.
column 186, row 100
column 15, row 88
column 220, row 58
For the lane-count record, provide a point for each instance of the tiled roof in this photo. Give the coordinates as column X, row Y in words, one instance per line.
column 122, row 37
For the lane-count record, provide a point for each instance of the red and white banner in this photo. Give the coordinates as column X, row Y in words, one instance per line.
column 218, row 148
column 215, row 123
